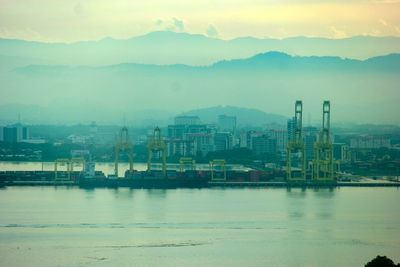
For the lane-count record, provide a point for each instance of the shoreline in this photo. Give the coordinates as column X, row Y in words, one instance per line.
column 210, row 184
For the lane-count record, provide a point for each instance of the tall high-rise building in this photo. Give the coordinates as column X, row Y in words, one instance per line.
column 281, row 137
column 249, row 138
column 291, row 128
column 187, row 137
column 341, row 152
column 180, row 147
column 14, row 133
column 227, row 123
column 223, row 141
column 264, row 144
column 310, row 137
column 176, row 131
column 202, row 142
column 1, row 133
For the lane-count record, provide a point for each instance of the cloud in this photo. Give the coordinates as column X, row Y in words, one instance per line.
column 338, row 34
column 175, row 25
column 392, row 27
column 211, row 31
column 159, row 22
column 178, row 24
column 383, row 22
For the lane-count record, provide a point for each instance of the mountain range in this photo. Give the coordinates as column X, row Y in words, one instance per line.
column 34, row 114
column 270, row 82
column 152, row 77
column 166, row 47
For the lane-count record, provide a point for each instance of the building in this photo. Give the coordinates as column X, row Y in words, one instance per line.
column 291, row 128
column 264, row 144
column 223, row 141
column 180, row 131
column 249, row 138
column 78, row 139
column 281, row 137
column 243, row 139
column 187, row 120
column 202, row 142
column 341, row 152
column 180, row 147
column 227, row 123
column 187, row 139
column 176, row 131
column 310, row 138
column 15, row 133
column 370, row 142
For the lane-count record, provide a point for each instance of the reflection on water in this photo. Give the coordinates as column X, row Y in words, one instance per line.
column 89, row 193
column 325, row 192
column 296, row 192
column 125, row 193
column 157, row 193
column 230, row 227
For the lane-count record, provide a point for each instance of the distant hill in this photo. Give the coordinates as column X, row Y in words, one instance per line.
column 73, row 113
column 244, row 116
column 275, row 61
column 70, row 114
column 282, row 61
column 165, row 47
column 270, row 82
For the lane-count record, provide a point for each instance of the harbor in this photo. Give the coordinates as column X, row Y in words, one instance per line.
column 242, row 177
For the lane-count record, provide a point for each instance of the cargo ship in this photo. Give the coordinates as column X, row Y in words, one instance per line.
column 133, row 179
column 149, row 180
column 172, row 179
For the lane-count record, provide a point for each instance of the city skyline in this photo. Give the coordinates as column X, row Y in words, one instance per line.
column 199, row 133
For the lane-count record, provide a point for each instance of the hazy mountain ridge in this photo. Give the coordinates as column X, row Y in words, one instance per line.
column 270, row 82
column 268, row 60
column 34, row 114
column 244, row 116
column 72, row 113
column 264, row 80
column 192, row 49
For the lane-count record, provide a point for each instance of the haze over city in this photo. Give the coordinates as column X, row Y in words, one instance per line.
column 154, row 60
column 200, row 133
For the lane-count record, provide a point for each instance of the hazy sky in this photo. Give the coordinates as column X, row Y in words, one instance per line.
column 74, row 20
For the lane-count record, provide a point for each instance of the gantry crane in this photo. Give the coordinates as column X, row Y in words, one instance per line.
column 218, row 163
column 157, row 145
column 295, row 147
column 70, row 165
column 77, row 161
column 123, row 143
column 62, row 162
column 187, row 161
column 323, row 165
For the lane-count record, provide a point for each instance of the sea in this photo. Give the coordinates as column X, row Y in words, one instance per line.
column 70, row 226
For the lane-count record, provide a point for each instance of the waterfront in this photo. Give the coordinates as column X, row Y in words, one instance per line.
column 106, row 167
column 60, row 226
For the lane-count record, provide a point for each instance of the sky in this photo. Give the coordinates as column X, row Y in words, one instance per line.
column 77, row 20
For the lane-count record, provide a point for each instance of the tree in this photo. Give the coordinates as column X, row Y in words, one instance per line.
column 381, row 261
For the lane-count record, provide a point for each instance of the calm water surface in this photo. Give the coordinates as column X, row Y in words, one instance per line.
column 48, row 226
